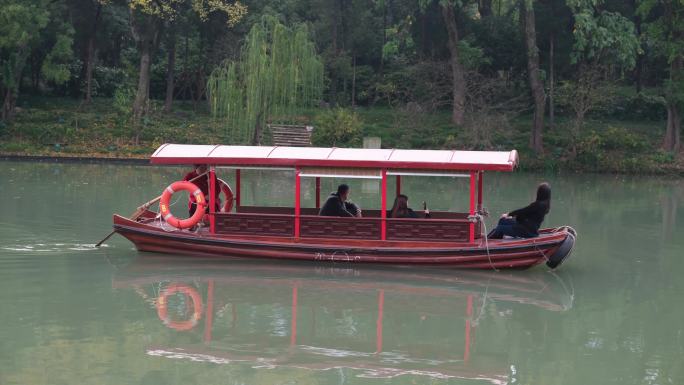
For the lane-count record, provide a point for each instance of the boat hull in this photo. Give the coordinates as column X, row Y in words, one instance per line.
column 492, row 254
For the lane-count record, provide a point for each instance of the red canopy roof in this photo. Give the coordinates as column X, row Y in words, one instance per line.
column 275, row 156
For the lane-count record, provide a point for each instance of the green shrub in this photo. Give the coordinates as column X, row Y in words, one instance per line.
column 663, row 157
column 107, row 80
column 619, row 138
column 123, row 99
column 633, row 106
column 337, row 127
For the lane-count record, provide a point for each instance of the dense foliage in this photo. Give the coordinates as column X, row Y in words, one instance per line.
column 489, row 63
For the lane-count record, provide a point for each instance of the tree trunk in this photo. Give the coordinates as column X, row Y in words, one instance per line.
column 200, row 84
column 672, row 141
column 170, row 72
column 11, row 90
column 384, row 38
column 536, row 85
column 142, row 95
column 552, row 119
column 458, row 78
column 8, row 104
column 423, row 35
column 485, row 8
column 353, row 89
column 90, row 56
column 256, row 138
column 145, row 32
column 334, row 75
column 638, row 71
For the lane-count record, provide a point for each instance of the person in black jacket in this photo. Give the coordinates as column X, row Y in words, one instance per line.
column 525, row 222
column 337, row 206
column 400, row 209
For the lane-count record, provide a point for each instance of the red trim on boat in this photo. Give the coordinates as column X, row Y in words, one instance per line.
column 471, row 235
column 212, row 198
column 519, row 253
column 479, row 190
column 237, row 189
column 383, row 206
column 298, row 190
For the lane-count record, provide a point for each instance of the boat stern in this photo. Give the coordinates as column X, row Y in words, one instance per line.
column 564, row 250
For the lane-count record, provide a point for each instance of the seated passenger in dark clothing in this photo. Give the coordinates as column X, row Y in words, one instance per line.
column 525, row 222
column 337, row 206
column 400, row 209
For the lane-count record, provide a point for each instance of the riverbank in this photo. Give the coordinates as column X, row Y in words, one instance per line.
column 59, row 128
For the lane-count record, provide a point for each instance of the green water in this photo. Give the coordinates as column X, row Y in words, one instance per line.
column 72, row 314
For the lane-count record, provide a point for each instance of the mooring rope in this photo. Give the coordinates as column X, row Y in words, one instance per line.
column 479, row 217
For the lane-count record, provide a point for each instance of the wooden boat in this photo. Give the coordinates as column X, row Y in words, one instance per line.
column 283, row 314
column 298, row 233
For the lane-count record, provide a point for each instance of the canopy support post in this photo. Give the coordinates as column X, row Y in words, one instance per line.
column 237, row 189
column 398, row 185
column 383, row 206
column 479, row 190
column 298, row 202
column 471, row 236
column 318, row 192
column 212, row 199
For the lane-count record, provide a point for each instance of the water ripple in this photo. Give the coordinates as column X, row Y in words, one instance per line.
column 50, row 247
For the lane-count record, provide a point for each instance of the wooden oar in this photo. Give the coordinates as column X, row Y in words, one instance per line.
column 141, row 210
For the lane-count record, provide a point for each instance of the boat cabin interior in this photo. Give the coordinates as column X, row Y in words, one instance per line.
column 301, row 223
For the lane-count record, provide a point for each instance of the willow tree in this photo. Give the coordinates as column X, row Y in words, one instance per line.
column 277, row 73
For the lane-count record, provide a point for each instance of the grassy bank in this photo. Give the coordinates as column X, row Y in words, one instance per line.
column 64, row 127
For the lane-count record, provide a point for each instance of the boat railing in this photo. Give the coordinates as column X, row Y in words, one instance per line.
column 367, row 213
column 281, row 222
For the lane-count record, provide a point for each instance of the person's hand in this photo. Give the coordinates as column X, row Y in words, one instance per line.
column 358, row 213
column 504, row 216
column 427, row 212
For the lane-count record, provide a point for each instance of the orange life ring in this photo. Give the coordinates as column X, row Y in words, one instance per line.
column 165, row 211
column 228, row 194
column 190, row 292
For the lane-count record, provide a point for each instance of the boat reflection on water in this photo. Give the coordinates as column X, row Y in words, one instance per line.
column 382, row 323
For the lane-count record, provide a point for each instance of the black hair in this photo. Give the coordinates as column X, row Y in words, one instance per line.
column 342, row 189
column 544, row 195
column 400, row 207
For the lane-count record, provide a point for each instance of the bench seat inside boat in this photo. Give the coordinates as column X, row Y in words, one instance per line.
column 279, row 221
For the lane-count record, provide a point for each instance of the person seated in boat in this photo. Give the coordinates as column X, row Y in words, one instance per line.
column 203, row 184
column 525, row 222
column 400, row 209
column 338, row 205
